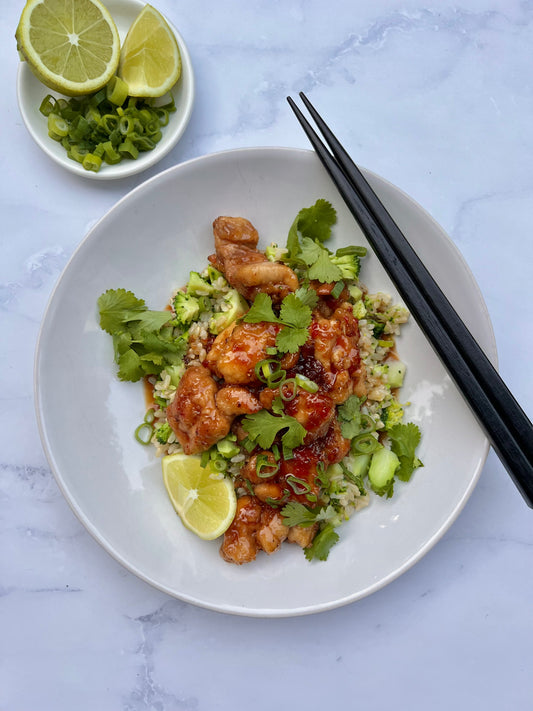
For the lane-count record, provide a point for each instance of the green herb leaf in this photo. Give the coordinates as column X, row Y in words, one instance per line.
column 349, row 414
column 405, row 438
column 316, row 221
column 289, row 340
column 261, row 310
column 324, row 270
column 322, row 543
column 263, row 427
column 113, row 304
column 294, row 312
column 296, row 514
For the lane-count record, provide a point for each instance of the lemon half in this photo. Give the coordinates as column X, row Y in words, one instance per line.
column 72, row 46
column 205, row 503
column 150, row 60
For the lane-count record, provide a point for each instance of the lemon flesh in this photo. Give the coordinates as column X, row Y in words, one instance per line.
column 72, row 46
column 206, row 505
column 150, row 61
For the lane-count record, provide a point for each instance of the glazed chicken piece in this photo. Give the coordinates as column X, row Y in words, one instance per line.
column 302, row 535
column 200, row 414
column 336, row 347
column 254, row 528
column 237, row 350
column 240, row 544
column 247, row 269
column 272, row 531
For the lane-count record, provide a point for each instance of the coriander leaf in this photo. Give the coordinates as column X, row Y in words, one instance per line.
column 405, row 438
column 324, row 270
column 277, row 405
column 263, row 427
column 310, row 251
column 293, row 244
column 307, row 296
column 316, row 221
column 349, row 414
column 113, row 304
column 150, row 320
column 296, row 514
column 121, row 343
column 130, row 366
column 322, row 543
column 289, row 340
column 261, row 310
column 294, row 312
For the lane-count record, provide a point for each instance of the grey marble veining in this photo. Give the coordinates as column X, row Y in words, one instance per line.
column 436, row 97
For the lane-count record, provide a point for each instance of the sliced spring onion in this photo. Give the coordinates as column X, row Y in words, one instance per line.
column 292, row 386
column 352, row 249
column 144, row 432
column 365, row 443
column 264, row 468
column 367, row 424
column 299, row 486
column 107, row 126
column 117, row 91
column 337, row 289
column 306, row 383
column 150, row 416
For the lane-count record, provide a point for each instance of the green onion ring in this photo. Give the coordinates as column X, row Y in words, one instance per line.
column 143, row 433
column 365, row 443
column 293, row 389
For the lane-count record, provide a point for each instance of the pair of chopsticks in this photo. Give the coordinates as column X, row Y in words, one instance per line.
column 504, row 422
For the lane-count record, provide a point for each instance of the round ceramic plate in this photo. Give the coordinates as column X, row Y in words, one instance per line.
column 148, row 243
column 31, row 92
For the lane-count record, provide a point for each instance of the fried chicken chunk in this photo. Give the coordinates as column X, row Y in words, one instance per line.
column 247, row 269
column 201, row 414
column 237, row 350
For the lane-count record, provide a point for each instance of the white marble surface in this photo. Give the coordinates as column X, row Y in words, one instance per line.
column 438, row 98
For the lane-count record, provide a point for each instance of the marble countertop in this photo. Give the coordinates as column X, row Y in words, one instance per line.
column 438, row 99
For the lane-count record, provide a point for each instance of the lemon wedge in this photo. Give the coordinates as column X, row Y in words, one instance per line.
column 205, row 503
column 150, row 61
column 72, row 46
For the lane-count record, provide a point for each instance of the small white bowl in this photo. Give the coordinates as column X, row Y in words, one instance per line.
column 31, row 92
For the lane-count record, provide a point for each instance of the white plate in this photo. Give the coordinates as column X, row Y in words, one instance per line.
column 148, row 243
column 31, row 92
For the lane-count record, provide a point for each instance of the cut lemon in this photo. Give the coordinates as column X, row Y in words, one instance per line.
column 205, row 504
column 72, row 46
column 150, row 61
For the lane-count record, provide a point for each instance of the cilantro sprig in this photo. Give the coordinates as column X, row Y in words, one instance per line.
column 294, row 317
column 306, row 251
column 263, row 427
column 144, row 341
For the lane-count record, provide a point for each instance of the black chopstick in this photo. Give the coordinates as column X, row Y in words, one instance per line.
column 505, row 423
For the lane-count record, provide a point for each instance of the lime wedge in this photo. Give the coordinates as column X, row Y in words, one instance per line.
column 205, row 503
column 150, row 61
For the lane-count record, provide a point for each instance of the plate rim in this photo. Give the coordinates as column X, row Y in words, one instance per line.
column 241, row 610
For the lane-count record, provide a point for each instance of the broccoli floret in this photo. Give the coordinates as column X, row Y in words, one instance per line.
column 213, row 274
column 238, row 306
column 392, row 415
column 175, row 372
column 186, row 308
column 198, row 286
column 349, row 264
column 163, row 432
